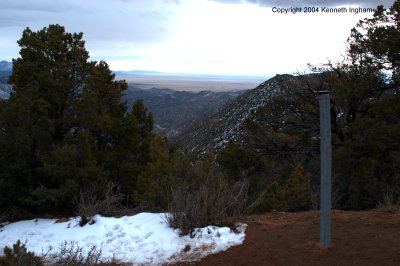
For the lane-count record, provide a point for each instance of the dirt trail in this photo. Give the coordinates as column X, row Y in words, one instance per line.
column 358, row 238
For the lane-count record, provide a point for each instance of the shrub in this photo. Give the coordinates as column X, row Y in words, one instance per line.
column 19, row 256
column 295, row 195
column 297, row 191
column 205, row 199
column 388, row 203
column 72, row 255
column 89, row 203
column 272, row 199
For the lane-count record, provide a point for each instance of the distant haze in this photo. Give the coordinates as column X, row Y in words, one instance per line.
column 192, row 83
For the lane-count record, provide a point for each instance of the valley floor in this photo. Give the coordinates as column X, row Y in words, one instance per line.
column 359, row 238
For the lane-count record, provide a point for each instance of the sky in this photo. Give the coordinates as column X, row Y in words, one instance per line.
column 235, row 37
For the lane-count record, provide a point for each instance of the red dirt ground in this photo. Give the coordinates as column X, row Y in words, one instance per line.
column 358, row 238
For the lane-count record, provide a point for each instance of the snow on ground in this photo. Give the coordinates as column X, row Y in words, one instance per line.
column 144, row 238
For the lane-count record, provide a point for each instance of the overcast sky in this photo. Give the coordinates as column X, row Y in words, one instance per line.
column 191, row 36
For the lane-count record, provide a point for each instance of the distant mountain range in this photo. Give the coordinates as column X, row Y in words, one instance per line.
column 5, row 72
column 173, row 110
column 216, row 129
column 138, row 72
column 5, row 66
column 173, row 74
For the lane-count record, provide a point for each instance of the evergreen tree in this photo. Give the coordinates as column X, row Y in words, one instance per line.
column 367, row 97
column 65, row 127
column 297, row 190
column 154, row 182
column 130, row 153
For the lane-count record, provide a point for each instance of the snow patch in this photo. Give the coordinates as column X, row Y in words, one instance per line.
column 144, row 238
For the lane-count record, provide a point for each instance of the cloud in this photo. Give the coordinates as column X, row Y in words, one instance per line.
column 38, row 6
column 103, row 20
column 361, row 3
column 110, row 27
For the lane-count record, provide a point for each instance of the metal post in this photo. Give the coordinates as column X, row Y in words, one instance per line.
column 326, row 168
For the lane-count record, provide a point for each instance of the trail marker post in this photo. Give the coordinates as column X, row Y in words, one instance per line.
column 326, row 168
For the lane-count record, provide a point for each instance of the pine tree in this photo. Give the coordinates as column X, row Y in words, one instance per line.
column 367, row 98
column 65, row 126
column 39, row 114
column 297, row 190
column 154, row 182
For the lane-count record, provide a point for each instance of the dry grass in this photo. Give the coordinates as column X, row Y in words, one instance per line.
column 89, row 203
column 387, row 204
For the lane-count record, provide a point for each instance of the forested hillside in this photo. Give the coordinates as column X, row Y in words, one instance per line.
column 217, row 128
column 173, row 110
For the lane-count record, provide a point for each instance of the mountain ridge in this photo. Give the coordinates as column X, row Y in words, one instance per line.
column 172, row 109
column 218, row 128
column 5, row 72
column 5, row 66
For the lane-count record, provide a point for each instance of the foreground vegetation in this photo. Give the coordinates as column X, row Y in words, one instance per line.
column 17, row 255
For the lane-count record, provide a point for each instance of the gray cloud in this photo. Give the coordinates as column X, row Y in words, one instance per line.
column 110, row 27
column 123, row 20
column 362, row 3
column 38, row 6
